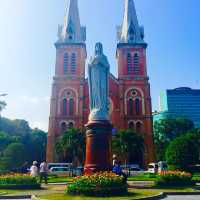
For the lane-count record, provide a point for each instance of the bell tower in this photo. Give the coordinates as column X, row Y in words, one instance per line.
column 66, row 109
column 134, row 87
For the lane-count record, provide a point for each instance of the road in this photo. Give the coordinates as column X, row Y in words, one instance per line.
column 185, row 197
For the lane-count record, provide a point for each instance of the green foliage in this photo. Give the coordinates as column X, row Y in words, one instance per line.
column 99, row 184
column 174, row 178
column 127, row 144
column 5, row 140
column 18, row 131
column 16, row 181
column 72, row 144
column 183, row 151
column 166, row 130
column 14, row 155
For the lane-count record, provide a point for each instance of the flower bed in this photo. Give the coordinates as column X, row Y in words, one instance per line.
column 18, row 181
column 174, row 178
column 99, row 184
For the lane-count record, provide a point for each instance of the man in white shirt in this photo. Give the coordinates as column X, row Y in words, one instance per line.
column 43, row 172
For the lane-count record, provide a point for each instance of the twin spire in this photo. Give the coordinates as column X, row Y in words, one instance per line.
column 72, row 31
column 130, row 31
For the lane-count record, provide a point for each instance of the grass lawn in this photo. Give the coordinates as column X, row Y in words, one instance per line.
column 196, row 177
column 57, row 192
column 59, row 179
column 14, row 191
column 133, row 194
column 143, row 177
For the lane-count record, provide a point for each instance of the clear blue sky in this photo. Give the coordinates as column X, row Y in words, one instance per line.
column 28, row 30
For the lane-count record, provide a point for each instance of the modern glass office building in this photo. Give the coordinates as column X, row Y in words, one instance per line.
column 180, row 102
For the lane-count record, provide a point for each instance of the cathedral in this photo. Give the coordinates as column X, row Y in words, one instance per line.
column 129, row 92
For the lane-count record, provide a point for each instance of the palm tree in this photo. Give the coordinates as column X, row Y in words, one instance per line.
column 72, row 145
column 128, row 146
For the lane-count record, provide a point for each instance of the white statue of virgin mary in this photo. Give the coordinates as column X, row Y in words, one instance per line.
column 98, row 72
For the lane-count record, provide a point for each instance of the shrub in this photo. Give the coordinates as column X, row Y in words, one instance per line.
column 174, row 178
column 18, row 181
column 99, row 184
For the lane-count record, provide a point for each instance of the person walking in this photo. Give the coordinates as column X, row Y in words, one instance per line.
column 34, row 169
column 118, row 170
column 43, row 172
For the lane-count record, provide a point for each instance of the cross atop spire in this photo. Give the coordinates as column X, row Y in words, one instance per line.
column 130, row 31
column 71, row 31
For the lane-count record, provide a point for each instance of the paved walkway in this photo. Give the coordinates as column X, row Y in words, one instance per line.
column 140, row 184
column 185, row 197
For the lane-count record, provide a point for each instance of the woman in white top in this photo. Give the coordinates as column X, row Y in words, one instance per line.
column 34, row 169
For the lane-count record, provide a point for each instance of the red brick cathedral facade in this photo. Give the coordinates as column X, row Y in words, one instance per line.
column 130, row 100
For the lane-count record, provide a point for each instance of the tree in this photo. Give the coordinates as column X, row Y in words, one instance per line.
column 35, row 145
column 39, row 141
column 18, row 131
column 166, row 130
column 72, row 146
column 183, row 151
column 129, row 146
column 5, row 140
column 14, row 127
column 14, row 156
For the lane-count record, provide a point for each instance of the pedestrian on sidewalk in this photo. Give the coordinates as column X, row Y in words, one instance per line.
column 43, row 172
column 34, row 169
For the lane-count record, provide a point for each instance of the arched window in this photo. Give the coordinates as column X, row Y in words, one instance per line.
column 137, row 106
column 71, row 125
column 64, row 106
column 129, row 63
column 131, row 34
column 130, row 107
column 63, row 126
column 66, row 63
column 71, row 107
column 138, row 127
column 131, row 125
column 73, row 63
column 136, row 63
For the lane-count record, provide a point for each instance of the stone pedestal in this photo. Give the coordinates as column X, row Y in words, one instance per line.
column 98, row 147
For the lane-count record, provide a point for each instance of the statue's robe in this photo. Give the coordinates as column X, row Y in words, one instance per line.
column 98, row 72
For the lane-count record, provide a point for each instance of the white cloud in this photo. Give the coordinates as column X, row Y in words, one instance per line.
column 34, row 100
column 41, row 125
column 35, row 110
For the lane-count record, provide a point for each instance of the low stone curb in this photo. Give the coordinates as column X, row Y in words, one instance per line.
column 16, row 197
column 155, row 197
column 181, row 193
